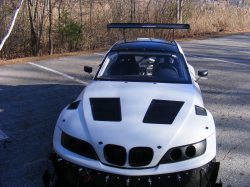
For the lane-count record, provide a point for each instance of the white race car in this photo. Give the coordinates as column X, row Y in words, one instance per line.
column 140, row 122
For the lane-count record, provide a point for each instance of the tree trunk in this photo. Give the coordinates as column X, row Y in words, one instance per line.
column 90, row 13
column 177, row 11
column 59, row 22
column 50, row 29
column 32, row 32
column 134, row 11
column 131, row 7
column 181, row 5
column 148, row 9
column 41, row 27
column 81, row 10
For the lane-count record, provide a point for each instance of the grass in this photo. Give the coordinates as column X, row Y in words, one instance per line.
column 48, row 57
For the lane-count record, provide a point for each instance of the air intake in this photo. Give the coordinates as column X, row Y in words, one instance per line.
column 200, row 111
column 78, row 146
column 162, row 111
column 115, row 154
column 106, row 109
column 73, row 105
column 140, row 156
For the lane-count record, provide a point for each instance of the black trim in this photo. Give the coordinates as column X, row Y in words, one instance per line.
column 140, row 156
column 200, row 150
column 162, row 111
column 148, row 81
column 147, row 26
column 189, row 81
column 78, row 146
column 115, row 154
column 73, row 105
column 106, row 109
column 71, row 174
column 200, row 111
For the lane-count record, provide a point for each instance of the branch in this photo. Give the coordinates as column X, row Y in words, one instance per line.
column 10, row 12
column 12, row 24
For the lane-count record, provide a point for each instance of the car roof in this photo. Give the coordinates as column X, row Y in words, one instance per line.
column 145, row 44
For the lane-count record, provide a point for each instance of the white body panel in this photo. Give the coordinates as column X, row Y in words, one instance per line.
column 160, row 169
column 131, row 132
column 135, row 98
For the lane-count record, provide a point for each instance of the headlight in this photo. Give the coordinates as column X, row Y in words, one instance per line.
column 78, row 146
column 185, row 152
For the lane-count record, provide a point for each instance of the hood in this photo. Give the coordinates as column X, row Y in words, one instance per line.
column 131, row 131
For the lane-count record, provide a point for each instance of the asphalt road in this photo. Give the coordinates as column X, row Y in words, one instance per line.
column 32, row 97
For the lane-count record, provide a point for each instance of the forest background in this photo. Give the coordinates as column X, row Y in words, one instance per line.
column 47, row 27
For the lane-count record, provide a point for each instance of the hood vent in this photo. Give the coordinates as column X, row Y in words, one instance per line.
column 140, row 156
column 106, row 109
column 162, row 111
column 115, row 154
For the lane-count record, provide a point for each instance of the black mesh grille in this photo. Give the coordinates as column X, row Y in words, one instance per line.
column 115, row 154
column 140, row 156
column 106, row 109
column 162, row 111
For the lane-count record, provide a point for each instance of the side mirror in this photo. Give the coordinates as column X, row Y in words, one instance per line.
column 203, row 73
column 87, row 69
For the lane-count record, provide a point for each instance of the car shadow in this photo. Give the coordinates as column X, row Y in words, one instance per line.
column 28, row 114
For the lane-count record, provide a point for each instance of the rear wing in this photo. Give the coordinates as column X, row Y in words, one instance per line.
column 147, row 26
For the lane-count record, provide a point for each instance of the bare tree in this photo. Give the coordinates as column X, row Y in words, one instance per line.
column 11, row 25
column 35, row 31
column 90, row 12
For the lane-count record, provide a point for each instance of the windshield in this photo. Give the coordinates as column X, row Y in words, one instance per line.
column 144, row 67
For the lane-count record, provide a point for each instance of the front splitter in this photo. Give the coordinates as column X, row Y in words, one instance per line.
column 62, row 173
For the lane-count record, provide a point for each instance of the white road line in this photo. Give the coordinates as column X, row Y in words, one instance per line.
column 226, row 49
column 99, row 54
column 3, row 136
column 223, row 40
column 217, row 60
column 59, row 73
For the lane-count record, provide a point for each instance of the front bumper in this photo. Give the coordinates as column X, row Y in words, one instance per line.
column 64, row 174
